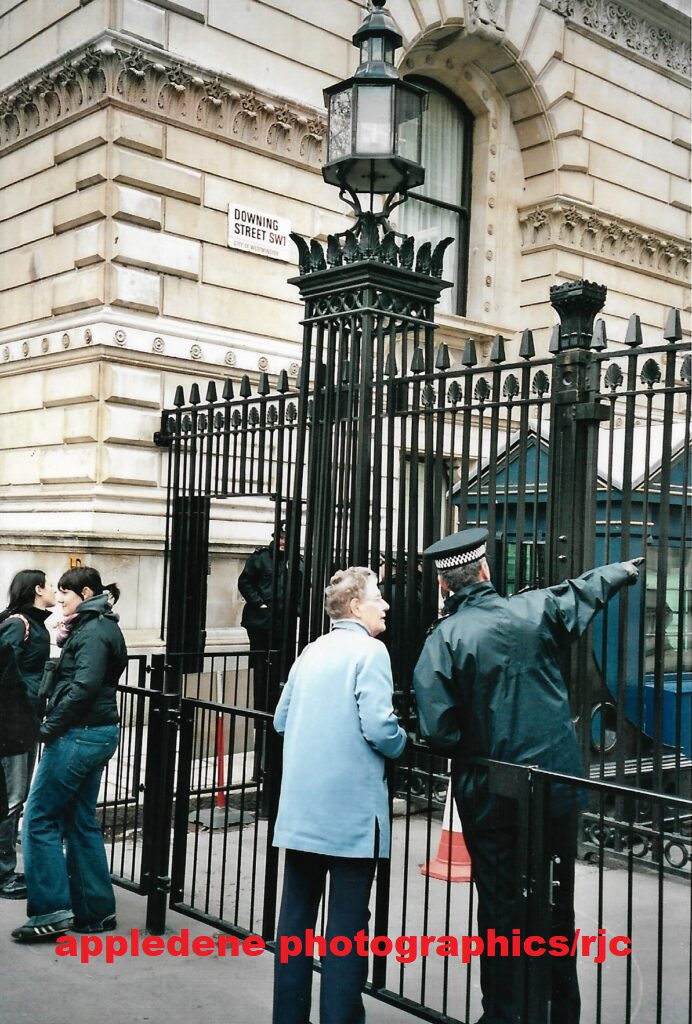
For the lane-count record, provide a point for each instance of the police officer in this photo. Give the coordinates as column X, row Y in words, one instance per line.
column 488, row 685
column 263, row 616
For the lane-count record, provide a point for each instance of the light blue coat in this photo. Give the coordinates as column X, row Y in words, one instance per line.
column 336, row 715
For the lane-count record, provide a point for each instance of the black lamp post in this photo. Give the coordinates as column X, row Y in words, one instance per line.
column 375, row 122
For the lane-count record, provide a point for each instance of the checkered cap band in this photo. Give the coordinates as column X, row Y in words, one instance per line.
column 464, row 558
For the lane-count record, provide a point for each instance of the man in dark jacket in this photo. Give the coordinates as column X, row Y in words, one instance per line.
column 488, row 685
column 263, row 585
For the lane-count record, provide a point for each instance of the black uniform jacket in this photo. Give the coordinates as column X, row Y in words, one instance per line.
column 255, row 585
column 488, row 682
column 93, row 658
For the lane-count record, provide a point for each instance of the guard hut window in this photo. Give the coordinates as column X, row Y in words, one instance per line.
column 441, row 206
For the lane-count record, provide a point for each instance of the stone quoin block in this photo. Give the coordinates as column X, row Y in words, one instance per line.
column 134, row 289
column 89, row 132
column 79, row 208
column 137, row 133
column 79, row 290
column 152, row 175
column 167, row 254
column 136, row 207
column 67, row 385
column 143, row 21
column 131, row 385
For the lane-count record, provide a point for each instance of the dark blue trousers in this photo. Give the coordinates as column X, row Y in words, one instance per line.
column 343, row 977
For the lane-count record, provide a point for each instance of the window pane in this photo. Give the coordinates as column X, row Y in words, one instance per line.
column 431, row 224
column 443, row 150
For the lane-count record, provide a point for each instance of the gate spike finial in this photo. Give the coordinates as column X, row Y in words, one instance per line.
column 390, row 367
column 211, row 391
column 227, row 392
column 179, row 400
column 633, row 337
column 554, row 345
column 527, row 349
column 282, row 382
column 673, row 328
column 443, row 362
column 417, row 362
column 245, row 388
column 497, row 351
column 195, row 397
column 469, row 358
column 599, row 341
column 263, row 384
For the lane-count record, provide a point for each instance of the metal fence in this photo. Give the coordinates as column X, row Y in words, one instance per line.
column 211, row 856
column 572, row 459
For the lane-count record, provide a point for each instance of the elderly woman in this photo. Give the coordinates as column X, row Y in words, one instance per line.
column 337, row 718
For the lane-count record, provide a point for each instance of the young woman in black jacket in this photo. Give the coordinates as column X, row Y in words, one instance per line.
column 23, row 631
column 71, row 888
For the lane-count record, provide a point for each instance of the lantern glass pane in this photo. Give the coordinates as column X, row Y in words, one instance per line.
column 409, row 125
column 376, row 48
column 374, row 119
column 340, row 124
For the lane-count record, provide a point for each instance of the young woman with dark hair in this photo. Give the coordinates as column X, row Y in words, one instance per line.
column 23, row 630
column 71, row 888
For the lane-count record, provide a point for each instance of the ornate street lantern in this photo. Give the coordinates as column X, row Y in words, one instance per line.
column 375, row 121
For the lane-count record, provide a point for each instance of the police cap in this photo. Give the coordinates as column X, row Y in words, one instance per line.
column 458, row 549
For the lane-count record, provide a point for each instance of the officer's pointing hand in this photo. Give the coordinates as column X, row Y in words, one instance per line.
column 632, row 567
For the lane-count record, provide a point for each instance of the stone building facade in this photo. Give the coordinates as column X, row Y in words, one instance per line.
column 129, row 128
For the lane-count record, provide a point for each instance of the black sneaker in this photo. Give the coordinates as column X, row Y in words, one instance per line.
column 42, row 932
column 14, row 888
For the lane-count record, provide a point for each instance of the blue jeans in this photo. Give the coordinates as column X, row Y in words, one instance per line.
column 343, row 977
column 61, row 807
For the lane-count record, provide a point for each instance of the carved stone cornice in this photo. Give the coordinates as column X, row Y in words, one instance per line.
column 567, row 225
column 110, row 69
column 660, row 40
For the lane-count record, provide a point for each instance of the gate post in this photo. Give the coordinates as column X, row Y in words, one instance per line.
column 158, row 797
column 576, row 414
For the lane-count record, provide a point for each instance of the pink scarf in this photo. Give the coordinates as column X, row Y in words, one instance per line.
column 65, row 628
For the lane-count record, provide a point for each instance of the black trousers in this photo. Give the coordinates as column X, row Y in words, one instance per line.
column 343, row 977
column 259, row 644
column 493, row 855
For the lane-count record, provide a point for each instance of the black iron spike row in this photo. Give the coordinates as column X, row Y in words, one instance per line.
column 633, row 337
column 673, row 328
column 497, row 351
column 599, row 340
column 527, row 349
column 469, row 357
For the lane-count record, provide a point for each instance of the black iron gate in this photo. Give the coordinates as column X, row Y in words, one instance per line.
column 571, row 459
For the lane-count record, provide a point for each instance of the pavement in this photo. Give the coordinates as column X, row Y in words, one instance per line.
column 40, row 987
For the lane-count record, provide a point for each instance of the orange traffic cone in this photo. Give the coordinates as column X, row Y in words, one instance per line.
column 452, row 862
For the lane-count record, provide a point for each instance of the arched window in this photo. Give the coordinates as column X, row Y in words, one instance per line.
column 441, row 206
